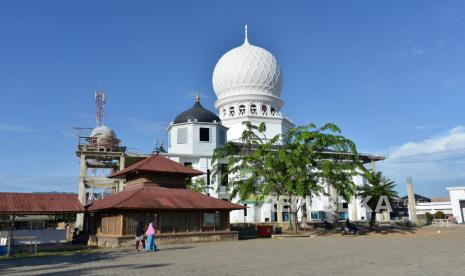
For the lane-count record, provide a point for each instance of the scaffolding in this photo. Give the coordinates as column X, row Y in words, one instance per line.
column 101, row 154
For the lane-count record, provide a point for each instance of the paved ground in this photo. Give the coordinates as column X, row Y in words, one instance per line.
column 425, row 252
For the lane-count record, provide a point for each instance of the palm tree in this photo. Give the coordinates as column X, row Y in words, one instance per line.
column 378, row 186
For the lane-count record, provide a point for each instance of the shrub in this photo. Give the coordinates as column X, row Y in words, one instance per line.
column 439, row 215
column 428, row 216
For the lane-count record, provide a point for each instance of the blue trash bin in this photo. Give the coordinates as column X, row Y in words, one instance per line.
column 3, row 250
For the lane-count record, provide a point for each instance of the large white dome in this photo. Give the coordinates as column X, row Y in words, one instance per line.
column 247, row 69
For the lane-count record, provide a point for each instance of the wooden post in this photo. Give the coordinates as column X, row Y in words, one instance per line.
column 8, row 247
column 12, row 227
column 159, row 223
column 201, row 221
column 121, row 225
column 214, row 221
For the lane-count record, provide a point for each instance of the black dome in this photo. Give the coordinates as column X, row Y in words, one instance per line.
column 197, row 112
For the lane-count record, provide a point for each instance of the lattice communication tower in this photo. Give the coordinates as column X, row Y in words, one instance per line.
column 100, row 99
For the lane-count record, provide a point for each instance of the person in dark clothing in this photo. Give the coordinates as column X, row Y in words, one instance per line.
column 350, row 227
column 139, row 236
column 327, row 225
column 75, row 236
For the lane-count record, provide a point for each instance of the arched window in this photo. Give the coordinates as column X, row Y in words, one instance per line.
column 224, row 112
column 253, row 109
column 242, row 109
column 231, row 111
column 264, row 109
column 273, row 111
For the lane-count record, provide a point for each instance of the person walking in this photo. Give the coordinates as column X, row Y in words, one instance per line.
column 139, row 236
column 150, row 245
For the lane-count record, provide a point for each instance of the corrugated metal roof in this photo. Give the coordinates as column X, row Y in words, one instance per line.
column 36, row 204
column 158, row 164
column 161, row 198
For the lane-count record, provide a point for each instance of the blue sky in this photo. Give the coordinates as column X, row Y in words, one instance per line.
column 390, row 74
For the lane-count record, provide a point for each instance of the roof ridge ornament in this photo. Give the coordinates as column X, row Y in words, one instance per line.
column 197, row 97
column 246, row 39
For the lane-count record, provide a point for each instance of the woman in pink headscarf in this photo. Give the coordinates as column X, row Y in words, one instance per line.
column 150, row 245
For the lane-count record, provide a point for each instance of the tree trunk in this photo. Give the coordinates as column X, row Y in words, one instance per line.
column 372, row 220
column 293, row 223
column 333, row 197
column 306, row 213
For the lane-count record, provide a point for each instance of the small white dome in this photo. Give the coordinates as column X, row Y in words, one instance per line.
column 103, row 132
column 247, row 69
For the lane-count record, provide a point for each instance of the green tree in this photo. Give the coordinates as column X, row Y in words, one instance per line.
column 198, row 184
column 377, row 187
column 439, row 215
column 296, row 164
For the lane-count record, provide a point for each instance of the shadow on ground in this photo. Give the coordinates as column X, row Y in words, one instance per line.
column 67, row 263
column 365, row 230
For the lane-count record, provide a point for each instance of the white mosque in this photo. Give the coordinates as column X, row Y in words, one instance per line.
column 247, row 81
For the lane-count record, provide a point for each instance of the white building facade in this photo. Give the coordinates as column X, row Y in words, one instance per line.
column 457, row 200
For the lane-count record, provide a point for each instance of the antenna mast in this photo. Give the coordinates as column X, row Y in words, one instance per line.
column 100, row 99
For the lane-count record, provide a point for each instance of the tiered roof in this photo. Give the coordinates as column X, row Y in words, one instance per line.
column 146, row 196
column 157, row 164
column 162, row 198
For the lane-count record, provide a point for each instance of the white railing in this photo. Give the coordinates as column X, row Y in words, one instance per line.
column 441, row 222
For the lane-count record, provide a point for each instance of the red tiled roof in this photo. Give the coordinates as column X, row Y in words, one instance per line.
column 35, row 204
column 158, row 164
column 161, row 198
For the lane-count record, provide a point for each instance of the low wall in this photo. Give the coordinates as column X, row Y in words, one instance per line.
column 105, row 241
column 44, row 236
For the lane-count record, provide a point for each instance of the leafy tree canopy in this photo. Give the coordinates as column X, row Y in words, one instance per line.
column 297, row 163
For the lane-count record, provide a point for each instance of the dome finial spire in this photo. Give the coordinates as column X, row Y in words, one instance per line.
column 197, row 97
column 246, row 39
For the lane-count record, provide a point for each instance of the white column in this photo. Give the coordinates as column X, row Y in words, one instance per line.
column 122, row 160
column 412, row 212
column 82, row 190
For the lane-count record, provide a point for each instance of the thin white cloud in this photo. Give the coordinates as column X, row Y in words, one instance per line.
column 434, row 163
column 453, row 140
column 422, row 127
column 17, row 128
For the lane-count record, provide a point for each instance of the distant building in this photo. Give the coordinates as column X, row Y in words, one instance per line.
column 457, row 200
column 37, row 215
column 400, row 205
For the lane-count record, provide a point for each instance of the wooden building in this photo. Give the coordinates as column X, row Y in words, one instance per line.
column 155, row 191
